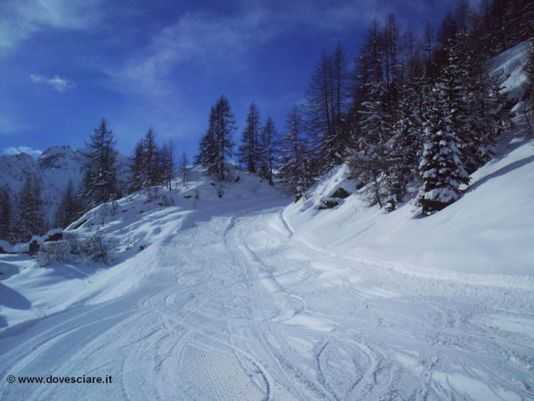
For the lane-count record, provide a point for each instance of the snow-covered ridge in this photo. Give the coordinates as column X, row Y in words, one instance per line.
column 484, row 238
column 55, row 167
column 487, row 232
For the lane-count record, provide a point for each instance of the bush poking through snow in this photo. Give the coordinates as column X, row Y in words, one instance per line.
column 53, row 252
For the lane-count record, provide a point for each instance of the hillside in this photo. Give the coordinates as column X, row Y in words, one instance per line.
column 489, row 231
column 55, row 167
column 233, row 292
column 244, row 297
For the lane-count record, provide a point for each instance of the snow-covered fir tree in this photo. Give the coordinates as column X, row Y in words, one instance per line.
column 248, row 150
column 441, row 168
column 406, row 143
column 100, row 175
column 371, row 158
column 456, row 84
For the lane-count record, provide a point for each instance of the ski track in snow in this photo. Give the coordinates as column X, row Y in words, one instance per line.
column 240, row 309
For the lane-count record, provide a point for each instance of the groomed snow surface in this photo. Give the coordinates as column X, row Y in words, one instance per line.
column 243, row 298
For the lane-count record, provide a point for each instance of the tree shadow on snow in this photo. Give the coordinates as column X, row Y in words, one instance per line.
column 13, row 299
column 502, row 171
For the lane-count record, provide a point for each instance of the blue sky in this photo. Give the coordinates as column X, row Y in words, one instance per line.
column 65, row 64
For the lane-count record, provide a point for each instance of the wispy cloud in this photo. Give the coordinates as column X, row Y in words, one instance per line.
column 9, row 125
column 200, row 39
column 15, row 150
column 219, row 41
column 56, row 82
column 19, row 19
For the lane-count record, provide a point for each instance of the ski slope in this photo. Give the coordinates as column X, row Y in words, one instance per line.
column 236, row 299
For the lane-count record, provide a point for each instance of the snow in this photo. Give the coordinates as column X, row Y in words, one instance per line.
column 245, row 297
column 488, row 232
column 509, row 64
column 251, row 297
column 55, row 167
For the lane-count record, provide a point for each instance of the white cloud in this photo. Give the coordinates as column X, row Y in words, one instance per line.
column 56, row 82
column 19, row 19
column 221, row 41
column 201, row 39
column 15, row 150
column 9, row 125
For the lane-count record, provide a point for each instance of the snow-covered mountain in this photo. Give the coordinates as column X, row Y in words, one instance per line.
column 56, row 166
column 234, row 292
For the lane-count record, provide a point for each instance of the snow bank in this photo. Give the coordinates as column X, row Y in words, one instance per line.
column 489, row 231
column 133, row 231
column 510, row 65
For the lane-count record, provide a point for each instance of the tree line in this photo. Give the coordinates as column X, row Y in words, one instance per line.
column 150, row 165
column 414, row 118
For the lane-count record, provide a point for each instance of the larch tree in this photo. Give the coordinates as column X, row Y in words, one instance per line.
column 30, row 217
column 100, row 172
column 217, row 145
column 5, row 214
column 266, row 150
column 293, row 162
column 183, row 169
column 248, row 150
column 70, row 207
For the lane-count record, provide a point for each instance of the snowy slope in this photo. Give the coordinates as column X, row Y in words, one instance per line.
column 226, row 301
column 489, row 231
column 248, row 297
column 486, row 236
column 237, row 298
column 509, row 65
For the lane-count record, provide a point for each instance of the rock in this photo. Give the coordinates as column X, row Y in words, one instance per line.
column 341, row 193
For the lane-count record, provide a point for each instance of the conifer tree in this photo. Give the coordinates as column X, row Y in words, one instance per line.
column 217, row 145
column 5, row 214
column 151, row 160
column 70, row 207
column 266, row 151
column 137, row 164
column 248, row 150
column 100, row 176
column 441, row 167
column 184, row 168
column 293, row 166
column 529, row 107
column 326, row 105
column 371, row 159
column 406, row 143
column 167, row 166
column 30, row 219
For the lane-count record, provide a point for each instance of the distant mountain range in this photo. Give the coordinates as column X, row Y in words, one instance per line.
column 56, row 167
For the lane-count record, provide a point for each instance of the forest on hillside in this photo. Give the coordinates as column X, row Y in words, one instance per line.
column 416, row 115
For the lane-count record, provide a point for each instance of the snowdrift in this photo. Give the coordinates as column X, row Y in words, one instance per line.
column 133, row 231
column 489, row 231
